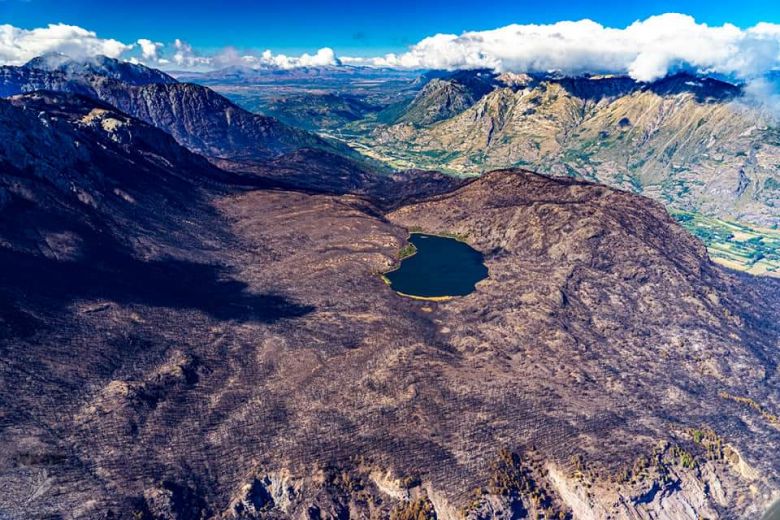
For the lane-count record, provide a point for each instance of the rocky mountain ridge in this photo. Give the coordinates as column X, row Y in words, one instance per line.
column 68, row 158
column 441, row 97
column 196, row 116
column 686, row 141
column 207, row 123
column 127, row 72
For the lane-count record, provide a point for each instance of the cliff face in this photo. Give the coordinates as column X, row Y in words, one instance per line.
column 207, row 123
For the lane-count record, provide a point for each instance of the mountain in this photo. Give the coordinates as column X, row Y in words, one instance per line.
column 16, row 80
column 131, row 73
column 181, row 341
column 697, row 144
column 197, row 117
column 70, row 159
column 438, row 100
column 207, row 123
column 689, row 142
column 58, row 72
column 178, row 346
column 726, row 198
column 95, row 205
column 443, row 95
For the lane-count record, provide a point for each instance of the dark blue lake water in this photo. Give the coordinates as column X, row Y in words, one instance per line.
column 441, row 267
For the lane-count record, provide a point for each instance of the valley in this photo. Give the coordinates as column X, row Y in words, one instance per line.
column 735, row 245
column 692, row 143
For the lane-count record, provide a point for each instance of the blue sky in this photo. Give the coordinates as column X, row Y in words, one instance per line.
column 350, row 27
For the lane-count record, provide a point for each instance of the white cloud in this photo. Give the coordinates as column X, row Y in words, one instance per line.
column 184, row 56
column 646, row 50
column 763, row 93
column 324, row 57
column 149, row 50
column 18, row 46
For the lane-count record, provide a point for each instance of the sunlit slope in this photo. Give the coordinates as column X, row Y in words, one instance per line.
column 696, row 148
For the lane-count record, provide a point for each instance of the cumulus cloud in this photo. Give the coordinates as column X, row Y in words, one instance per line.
column 18, row 46
column 645, row 50
column 323, row 57
column 184, row 56
column 230, row 56
column 150, row 51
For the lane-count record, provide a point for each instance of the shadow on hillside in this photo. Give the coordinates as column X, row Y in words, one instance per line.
column 121, row 278
column 705, row 90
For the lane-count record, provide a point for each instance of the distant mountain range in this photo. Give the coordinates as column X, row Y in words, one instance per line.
column 243, row 75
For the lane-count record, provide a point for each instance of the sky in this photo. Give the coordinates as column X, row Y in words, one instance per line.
column 645, row 40
column 350, row 27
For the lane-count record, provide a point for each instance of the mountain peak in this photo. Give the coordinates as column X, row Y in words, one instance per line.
column 704, row 88
column 131, row 73
column 48, row 61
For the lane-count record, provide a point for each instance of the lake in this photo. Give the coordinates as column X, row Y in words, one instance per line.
column 441, row 267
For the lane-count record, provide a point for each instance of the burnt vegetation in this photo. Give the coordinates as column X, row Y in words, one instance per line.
column 181, row 341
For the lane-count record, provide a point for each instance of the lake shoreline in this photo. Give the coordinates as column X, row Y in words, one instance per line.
column 438, row 267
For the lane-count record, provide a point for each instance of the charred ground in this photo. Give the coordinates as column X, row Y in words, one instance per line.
column 179, row 343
